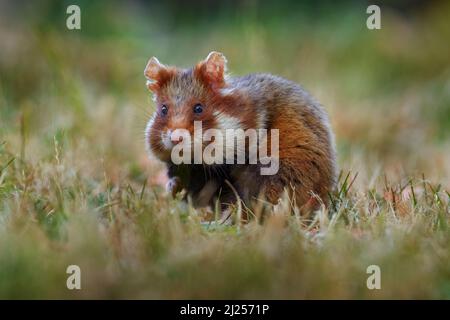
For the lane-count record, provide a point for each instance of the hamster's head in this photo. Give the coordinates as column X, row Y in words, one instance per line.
column 186, row 96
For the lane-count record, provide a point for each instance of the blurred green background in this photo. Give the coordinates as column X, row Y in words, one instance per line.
column 76, row 185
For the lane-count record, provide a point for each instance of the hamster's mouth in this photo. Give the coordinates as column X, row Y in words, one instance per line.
column 166, row 142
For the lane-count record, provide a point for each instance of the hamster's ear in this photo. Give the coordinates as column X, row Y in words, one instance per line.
column 214, row 68
column 155, row 72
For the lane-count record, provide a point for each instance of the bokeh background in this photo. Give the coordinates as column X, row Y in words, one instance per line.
column 73, row 108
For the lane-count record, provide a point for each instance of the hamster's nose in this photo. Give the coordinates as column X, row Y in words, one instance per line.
column 174, row 139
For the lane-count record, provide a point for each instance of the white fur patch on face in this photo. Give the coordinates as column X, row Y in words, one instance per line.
column 225, row 121
column 148, row 129
column 165, row 138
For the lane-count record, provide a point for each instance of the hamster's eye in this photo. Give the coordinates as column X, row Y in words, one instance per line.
column 164, row 109
column 198, row 108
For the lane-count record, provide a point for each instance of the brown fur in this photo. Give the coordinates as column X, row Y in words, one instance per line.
column 307, row 167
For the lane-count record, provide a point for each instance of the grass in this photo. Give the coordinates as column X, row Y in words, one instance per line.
column 76, row 186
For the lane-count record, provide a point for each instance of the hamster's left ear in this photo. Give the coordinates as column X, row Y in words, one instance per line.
column 213, row 68
column 156, row 74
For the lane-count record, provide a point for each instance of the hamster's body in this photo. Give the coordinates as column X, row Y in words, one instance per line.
column 306, row 156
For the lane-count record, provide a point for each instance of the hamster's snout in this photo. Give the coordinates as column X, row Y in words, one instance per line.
column 169, row 139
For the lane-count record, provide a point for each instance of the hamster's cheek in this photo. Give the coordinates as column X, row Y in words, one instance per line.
column 169, row 138
column 154, row 144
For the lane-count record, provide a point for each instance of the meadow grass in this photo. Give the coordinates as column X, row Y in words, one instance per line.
column 76, row 186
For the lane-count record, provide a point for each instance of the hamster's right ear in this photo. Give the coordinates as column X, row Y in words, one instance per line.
column 156, row 73
column 213, row 69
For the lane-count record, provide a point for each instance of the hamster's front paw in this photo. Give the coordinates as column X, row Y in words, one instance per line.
column 174, row 186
